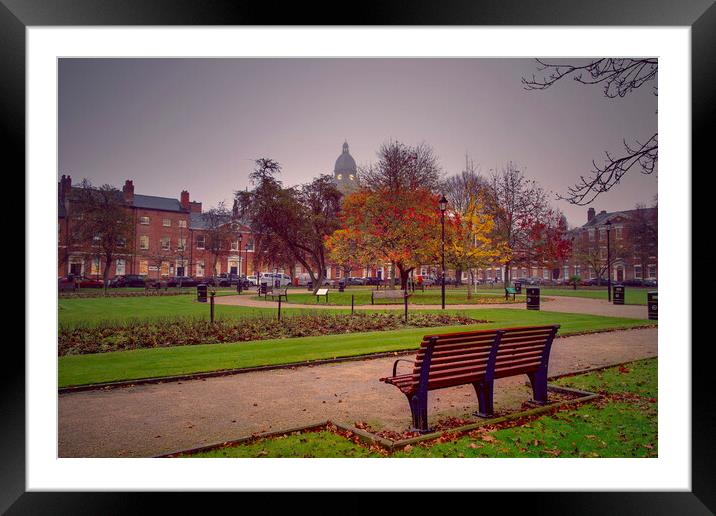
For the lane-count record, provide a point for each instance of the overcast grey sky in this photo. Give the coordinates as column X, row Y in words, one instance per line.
column 198, row 124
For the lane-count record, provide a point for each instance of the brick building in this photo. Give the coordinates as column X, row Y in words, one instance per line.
column 633, row 244
column 165, row 227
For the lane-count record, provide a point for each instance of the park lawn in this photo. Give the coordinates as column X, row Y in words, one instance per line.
column 429, row 297
column 632, row 296
column 91, row 311
column 614, row 427
column 169, row 361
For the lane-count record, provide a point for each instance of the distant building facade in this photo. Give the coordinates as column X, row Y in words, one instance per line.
column 175, row 228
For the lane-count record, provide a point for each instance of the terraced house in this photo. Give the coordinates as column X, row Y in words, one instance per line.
column 170, row 239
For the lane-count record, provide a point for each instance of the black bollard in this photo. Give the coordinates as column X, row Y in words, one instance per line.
column 212, row 306
column 352, row 304
column 279, row 308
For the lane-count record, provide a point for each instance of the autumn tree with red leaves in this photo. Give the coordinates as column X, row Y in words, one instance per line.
column 402, row 228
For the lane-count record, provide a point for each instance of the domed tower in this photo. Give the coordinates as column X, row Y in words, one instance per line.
column 345, row 173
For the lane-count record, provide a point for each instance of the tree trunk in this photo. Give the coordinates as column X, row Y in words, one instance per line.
column 471, row 284
column 404, row 276
column 458, row 276
column 507, row 274
column 105, row 275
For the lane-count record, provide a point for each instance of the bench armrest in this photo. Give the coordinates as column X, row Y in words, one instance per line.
column 395, row 364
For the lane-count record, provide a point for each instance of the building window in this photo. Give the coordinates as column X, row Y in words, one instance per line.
column 637, row 272
column 603, row 253
column 651, row 270
column 182, row 223
column 94, row 266
column 602, row 235
column 181, row 244
column 144, row 242
column 577, row 269
column 120, row 267
column 143, row 267
column 121, row 242
column 234, row 245
column 200, row 269
column 200, row 242
column 144, row 220
column 250, row 244
column 591, row 235
column 164, row 269
column 166, row 222
column 566, row 271
column 165, row 243
column 545, row 274
column 618, row 233
column 96, row 240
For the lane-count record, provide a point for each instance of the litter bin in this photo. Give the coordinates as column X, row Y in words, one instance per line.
column 532, row 298
column 263, row 289
column 652, row 301
column 309, row 285
column 618, row 294
column 201, row 289
column 518, row 287
column 277, row 283
column 341, row 286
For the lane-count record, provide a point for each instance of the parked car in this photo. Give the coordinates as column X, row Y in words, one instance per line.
column 593, row 282
column 650, row 283
column 355, row 281
column 85, row 282
column 270, row 278
column 66, row 283
column 184, row 281
column 252, row 280
column 633, row 283
column 128, row 280
column 372, row 280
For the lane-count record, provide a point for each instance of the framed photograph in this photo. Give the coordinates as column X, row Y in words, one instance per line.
column 239, row 195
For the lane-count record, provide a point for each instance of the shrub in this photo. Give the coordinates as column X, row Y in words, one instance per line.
column 188, row 331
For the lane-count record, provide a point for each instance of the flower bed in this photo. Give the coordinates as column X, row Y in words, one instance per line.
column 187, row 331
column 84, row 294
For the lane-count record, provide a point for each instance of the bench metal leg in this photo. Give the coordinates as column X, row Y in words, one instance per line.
column 484, row 392
column 538, row 380
column 419, row 413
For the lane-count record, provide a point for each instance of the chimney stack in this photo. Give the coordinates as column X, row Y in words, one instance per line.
column 603, row 212
column 65, row 186
column 185, row 200
column 195, row 207
column 128, row 191
column 590, row 214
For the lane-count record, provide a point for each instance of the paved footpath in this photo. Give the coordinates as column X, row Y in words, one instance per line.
column 149, row 420
column 575, row 305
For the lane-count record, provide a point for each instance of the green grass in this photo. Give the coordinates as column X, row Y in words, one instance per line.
column 429, row 297
column 632, row 295
column 610, row 428
column 78, row 312
column 157, row 362
column 296, row 445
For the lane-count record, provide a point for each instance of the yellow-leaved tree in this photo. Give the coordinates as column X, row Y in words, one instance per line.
column 469, row 245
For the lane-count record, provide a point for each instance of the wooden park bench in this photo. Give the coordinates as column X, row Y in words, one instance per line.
column 387, row 294
column 278, row 293
column 477, row 358
column 510, row 291
column 321, row 292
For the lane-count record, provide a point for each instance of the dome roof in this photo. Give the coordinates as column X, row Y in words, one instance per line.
column 345, row 162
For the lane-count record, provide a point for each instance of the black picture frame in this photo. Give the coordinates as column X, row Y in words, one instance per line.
column 700, row 15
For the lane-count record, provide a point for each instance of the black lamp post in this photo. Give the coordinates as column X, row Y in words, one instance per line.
column 241, row 237
column 443, row 206
column 609, row 263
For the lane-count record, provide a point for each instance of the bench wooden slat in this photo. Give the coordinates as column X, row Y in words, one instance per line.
column 476, row 357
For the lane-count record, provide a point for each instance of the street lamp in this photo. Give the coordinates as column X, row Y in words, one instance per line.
column 443, row 206
column 609, row 263
column 239, row 278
